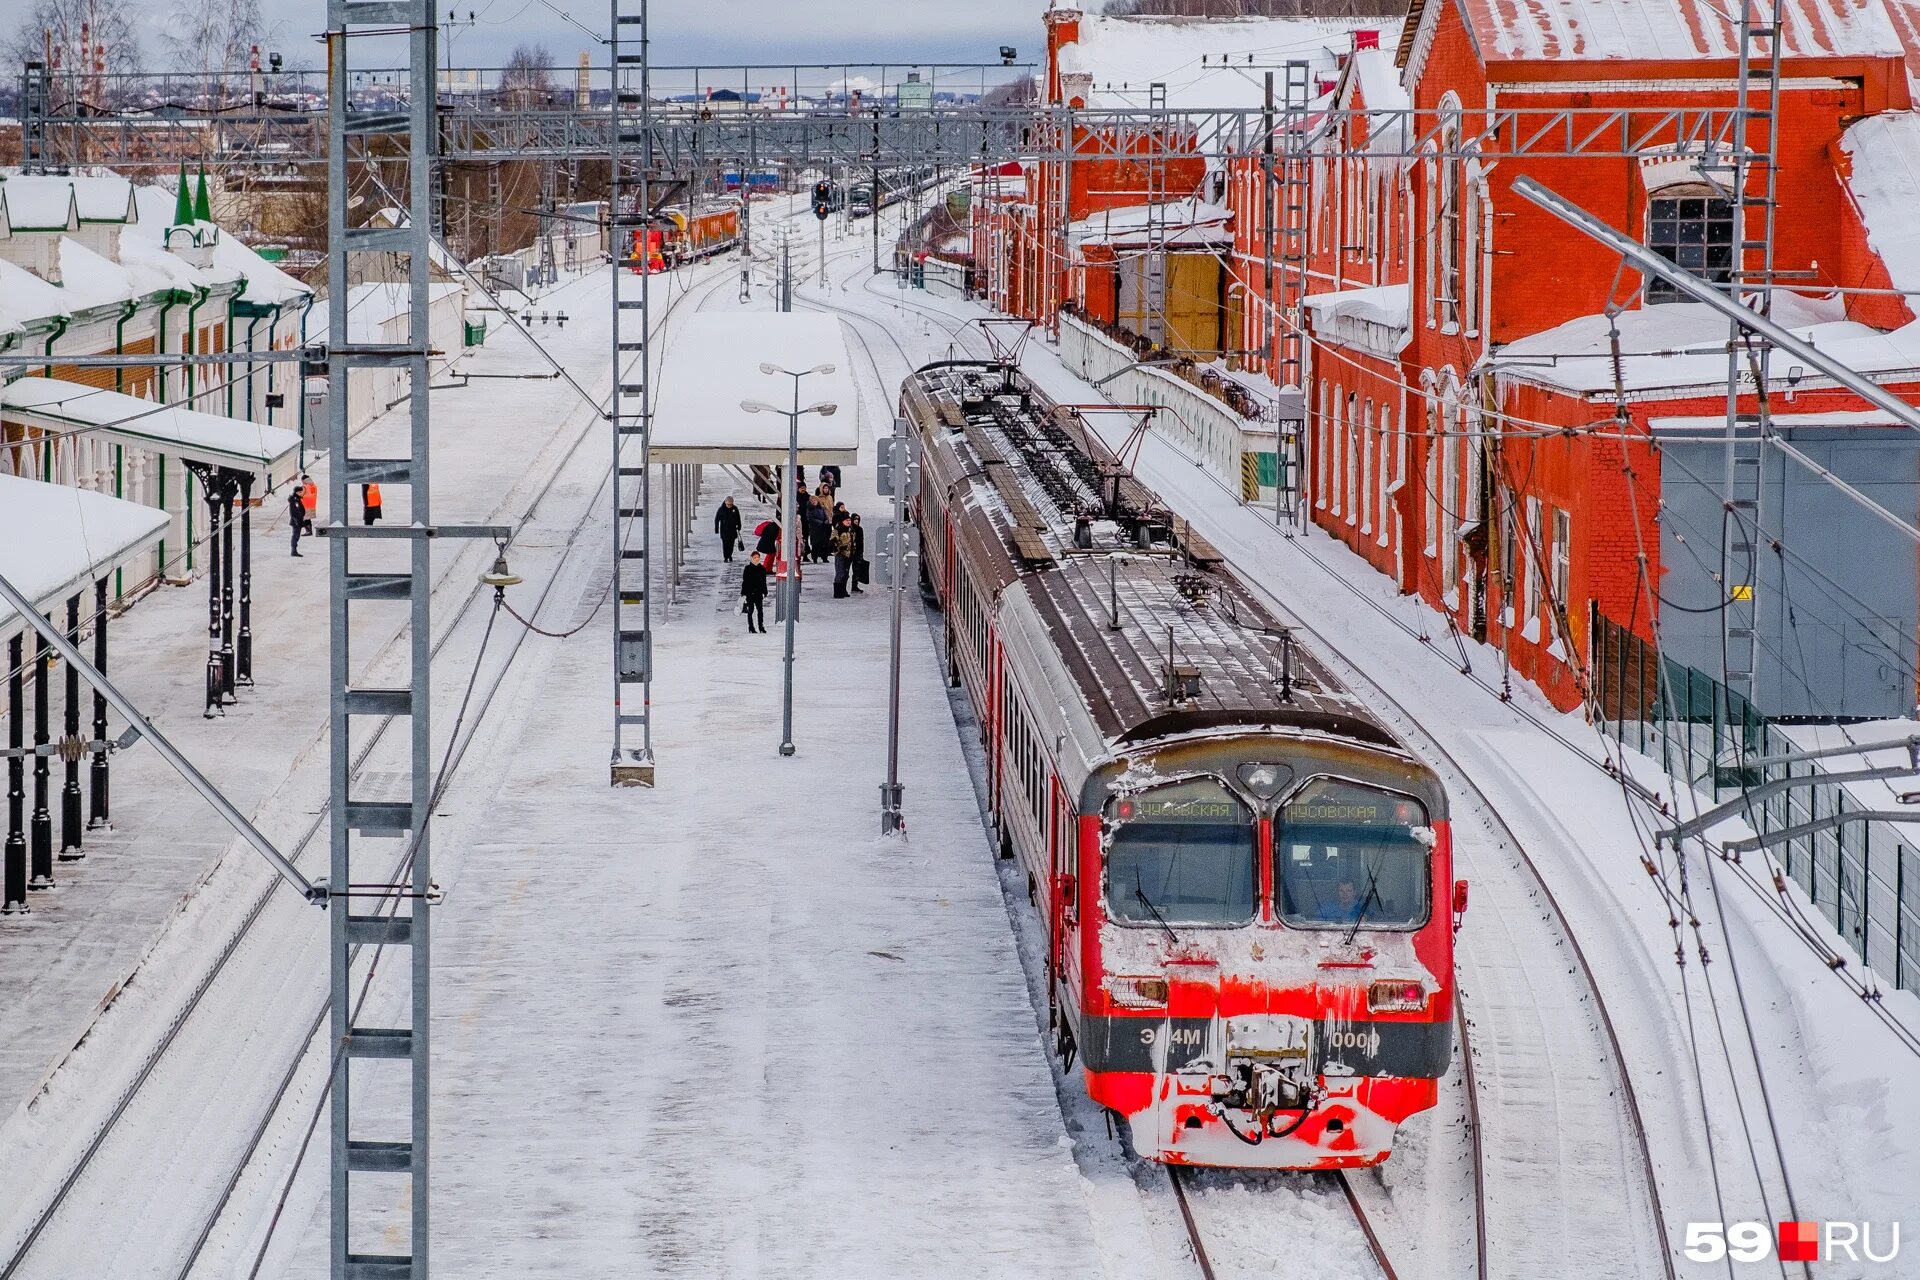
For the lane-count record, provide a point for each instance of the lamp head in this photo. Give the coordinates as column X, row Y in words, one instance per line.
column 826, row 408
column 767, row 368
column 756, row 406
column 821, row 368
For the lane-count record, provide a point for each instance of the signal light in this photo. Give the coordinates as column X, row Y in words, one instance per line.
column 1396, row 995
column 822, row 200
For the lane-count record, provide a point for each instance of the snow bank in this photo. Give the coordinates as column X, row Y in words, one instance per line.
column 1885, row 184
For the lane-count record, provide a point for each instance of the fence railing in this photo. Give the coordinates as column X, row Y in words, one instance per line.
column 1863, row 877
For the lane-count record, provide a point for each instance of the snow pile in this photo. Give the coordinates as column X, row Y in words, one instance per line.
column 1884, row 179
column 25, row 297
column 1182, row 223
column 1683, row 345
column 56, row 540
column 1387, row 304
column 1671, row 30
column 1202, row 62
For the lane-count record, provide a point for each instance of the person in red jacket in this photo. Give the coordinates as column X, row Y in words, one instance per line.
column 310, row 499
column 370, row 500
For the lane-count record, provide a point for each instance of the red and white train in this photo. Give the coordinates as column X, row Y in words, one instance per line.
column 1244, row 876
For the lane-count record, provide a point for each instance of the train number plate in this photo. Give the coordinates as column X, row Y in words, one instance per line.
column 1269, row 1035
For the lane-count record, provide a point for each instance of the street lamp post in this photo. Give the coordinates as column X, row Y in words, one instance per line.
column 789, row 535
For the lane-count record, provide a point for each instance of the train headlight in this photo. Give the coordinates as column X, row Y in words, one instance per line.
column 1138, row 993
column 1396, row 995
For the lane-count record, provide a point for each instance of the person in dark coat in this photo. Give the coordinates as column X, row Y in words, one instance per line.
column 860, row 572
column 819, row 527
column 726, row 523
column 842, row 558
column 753, row 594
column 831, row 474
column 296, row 516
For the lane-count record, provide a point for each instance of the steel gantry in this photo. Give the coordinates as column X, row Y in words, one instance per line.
column 629, row 149
column 375, row 896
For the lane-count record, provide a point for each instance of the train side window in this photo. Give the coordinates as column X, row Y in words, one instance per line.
column 1347, row 854
column 1182, row 854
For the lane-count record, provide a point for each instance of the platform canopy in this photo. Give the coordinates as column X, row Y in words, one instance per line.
column 234, row 443
column 57, row 541
column 713, row 363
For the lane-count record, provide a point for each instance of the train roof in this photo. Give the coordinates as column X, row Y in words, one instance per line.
column 1158, row 637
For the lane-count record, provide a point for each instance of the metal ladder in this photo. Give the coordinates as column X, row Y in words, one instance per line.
column 367, row 833
column 1753, row 180
column 629, row 214
column 1153, row 286
column 1295, row 186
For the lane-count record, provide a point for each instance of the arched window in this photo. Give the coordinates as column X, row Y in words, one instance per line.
column 1432, row 469
column 1352, row 447
column 1449, row 213
column 1690, row 226
column 1368, row 449
column 1337, row 461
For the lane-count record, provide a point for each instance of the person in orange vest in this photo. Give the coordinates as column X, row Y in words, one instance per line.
column 370, row 500
column 309, row 498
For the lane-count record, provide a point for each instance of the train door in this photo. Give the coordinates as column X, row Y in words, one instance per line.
column 1064, row 910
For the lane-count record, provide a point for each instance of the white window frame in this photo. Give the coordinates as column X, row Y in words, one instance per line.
column 1384, row 488
column 1323, row 454
column 1352, row 456
column 1433, row 473
column 1336, row 460
column 1561, row 560
column 1530, row 595
column 1368, row 447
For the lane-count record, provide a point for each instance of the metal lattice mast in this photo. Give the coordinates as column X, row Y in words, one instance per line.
column 1753, row 197
column 629, row 214
column 363, row 829
column 36, row 100
column 1289, row 442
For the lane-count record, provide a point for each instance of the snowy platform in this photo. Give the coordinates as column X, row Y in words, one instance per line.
column 234, row 443
column 713, row 363
column 55, row 542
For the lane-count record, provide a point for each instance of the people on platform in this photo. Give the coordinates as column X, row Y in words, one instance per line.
column 842, row 558
column 370, row 503
column 831, row 474
column 753, row 594
column 296, row 515
column 726, row 523
column 819, row 526
column 767, row 544
column 310, row 499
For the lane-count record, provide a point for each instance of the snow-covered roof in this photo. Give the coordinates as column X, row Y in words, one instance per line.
column 712, row 363
column 189, row 434
column 1203, row 62
column 1188, row 223
column 40, row 204
column 1884, row 179
column 1716, row 424
column 267, row 285
column 1681, row 347
column 25, row 297
column 56, row 541
column 89, row 280
column 1548, row 31
column 1388, row 304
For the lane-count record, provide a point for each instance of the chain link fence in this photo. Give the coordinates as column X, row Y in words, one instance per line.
column 1863, row 877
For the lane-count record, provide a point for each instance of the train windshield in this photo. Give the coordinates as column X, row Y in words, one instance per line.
column 1347, row 856
column 1181, row 854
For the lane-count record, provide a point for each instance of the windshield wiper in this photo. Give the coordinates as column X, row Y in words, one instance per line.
column 1140, row 892
column 1372, row 895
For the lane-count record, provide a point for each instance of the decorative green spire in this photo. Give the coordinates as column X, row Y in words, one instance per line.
column 182, row 200
column 201, row 212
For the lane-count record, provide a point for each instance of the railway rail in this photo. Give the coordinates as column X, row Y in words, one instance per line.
column 132, row 1093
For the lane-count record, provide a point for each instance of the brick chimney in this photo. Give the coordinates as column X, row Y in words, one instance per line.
column 1063, row 28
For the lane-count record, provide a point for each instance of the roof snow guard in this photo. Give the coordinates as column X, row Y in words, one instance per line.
column 52, row 404
column 56, row 541
column 713, row 365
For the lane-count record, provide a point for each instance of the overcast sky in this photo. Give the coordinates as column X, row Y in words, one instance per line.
column 718, row 31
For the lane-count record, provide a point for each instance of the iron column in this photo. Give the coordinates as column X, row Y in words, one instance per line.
column 41, row 827
column 15, row 897
column 245, row 673
column 70, row 808
column 97, row 815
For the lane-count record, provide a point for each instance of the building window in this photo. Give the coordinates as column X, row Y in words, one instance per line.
column 1530, row 574
column 1337, row 439
column 1323, row 454
column 1433, row 474
column 1691, row 227
column 1380, row 478
column 1449, row 213
column 1449, row 500
column 1562, row 558
column 1353, row 459
column 1509, row 557
column 1368, row 449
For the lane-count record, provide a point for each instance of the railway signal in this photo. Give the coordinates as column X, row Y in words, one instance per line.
column 822, row 199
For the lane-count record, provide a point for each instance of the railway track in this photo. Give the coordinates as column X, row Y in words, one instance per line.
column 134, row 1091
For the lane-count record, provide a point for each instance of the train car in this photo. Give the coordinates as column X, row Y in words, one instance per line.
column 680, row 236
column 1243, row 874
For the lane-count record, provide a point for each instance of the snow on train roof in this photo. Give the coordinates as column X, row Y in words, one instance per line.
column 712, row 364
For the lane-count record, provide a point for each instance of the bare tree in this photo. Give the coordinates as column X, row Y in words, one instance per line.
column 212, row 38
column 527, row 78
column 1013, row 93
column 68, row 27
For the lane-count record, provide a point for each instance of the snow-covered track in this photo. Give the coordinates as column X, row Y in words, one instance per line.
column 70, row 1202
column 1233, row 1219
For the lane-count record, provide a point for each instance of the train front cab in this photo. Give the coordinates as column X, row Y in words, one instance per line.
column 1305, row 1009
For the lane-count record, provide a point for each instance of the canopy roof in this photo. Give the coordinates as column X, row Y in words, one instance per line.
column 713, row 363
column 234, row 443
column 55, row 541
